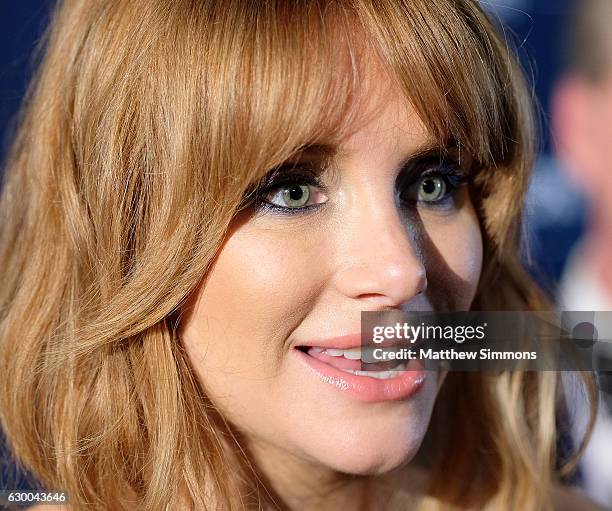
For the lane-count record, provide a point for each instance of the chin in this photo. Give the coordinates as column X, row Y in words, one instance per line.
column 371, row 461
column 371, row 444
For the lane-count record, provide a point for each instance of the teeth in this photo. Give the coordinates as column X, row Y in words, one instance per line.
column 366, row 355
column 353, row 354
column 350, row 354
column 379, row 375
column 356, row 354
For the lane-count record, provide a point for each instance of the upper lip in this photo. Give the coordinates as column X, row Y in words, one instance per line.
column 341, row 342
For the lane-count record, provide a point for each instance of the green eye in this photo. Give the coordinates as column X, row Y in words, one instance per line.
column 431, row 189
column 294, row 196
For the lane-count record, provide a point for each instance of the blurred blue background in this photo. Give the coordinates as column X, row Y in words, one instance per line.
column 555, row 210
column 555, row 214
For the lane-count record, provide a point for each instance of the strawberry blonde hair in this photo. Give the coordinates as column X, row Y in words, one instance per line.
column 144, row 127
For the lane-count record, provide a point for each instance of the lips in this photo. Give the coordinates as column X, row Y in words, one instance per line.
column 351, row 361
column 338, row 361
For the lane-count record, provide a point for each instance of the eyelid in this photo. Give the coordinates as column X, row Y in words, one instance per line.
column 290, row 173
column 293, row 178
column 451, row 172
column 429, row 164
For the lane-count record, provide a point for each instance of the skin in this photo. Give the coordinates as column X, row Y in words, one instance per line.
column 279, row 281
column 582, row 118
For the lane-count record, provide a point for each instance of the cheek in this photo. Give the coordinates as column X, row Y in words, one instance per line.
column 453, row 254
column 464, row 249
column 252, row 298
column 266, row 280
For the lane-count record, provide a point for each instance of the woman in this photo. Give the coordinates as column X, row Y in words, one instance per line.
column 203, row 197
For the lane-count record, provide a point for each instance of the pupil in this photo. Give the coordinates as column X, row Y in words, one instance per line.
column 429, row 186
column 295, row 193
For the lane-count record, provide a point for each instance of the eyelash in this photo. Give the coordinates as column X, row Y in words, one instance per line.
column 450, row 172
column 271, row 184
column 453, row 177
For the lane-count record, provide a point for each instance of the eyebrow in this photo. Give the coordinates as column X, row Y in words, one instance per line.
column 313, row 152
column 449, row 151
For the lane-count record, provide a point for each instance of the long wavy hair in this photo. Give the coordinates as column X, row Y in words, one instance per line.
column 146, row 123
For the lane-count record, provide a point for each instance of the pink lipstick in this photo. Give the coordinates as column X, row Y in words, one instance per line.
column 337, row 361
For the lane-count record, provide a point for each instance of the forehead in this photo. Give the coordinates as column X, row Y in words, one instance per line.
column 384, row 118
column 392, row 124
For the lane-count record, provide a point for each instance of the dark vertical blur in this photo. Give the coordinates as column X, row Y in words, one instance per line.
column 21, row 25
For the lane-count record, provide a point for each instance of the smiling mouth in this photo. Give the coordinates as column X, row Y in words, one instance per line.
column 340, row 363
column 351, row 361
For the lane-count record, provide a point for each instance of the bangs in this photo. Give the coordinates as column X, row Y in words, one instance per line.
column 304, row 76
column 297, row 78
column 459, row 75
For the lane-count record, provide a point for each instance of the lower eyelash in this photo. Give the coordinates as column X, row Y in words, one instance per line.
column 264, row 206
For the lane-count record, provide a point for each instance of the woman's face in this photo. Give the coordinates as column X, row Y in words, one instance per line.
column 381, row 227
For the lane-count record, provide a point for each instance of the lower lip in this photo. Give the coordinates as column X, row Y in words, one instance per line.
column 367, row 388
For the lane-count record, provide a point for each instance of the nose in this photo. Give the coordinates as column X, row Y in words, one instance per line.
column 381, row 259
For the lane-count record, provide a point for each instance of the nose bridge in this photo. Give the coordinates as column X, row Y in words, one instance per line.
column 383, row 256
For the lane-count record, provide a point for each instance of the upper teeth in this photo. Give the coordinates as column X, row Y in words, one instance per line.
column 351, row 354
